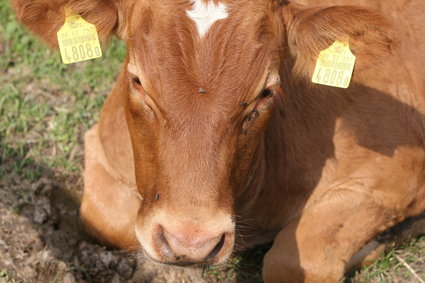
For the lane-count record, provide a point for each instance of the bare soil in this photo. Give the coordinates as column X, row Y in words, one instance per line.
column 42, row 239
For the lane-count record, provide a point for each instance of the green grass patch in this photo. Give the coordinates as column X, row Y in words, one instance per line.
column 45, row 105
column 399, row 264
column 5, row 277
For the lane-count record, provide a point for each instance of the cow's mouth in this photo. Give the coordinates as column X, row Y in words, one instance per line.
column 205, row 264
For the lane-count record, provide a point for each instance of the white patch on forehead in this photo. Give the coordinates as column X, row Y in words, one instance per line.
column 205, row 14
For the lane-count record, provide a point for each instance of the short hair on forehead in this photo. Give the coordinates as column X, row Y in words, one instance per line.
column 229, row 60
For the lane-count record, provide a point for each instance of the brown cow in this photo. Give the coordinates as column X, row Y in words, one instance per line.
column 214, row 137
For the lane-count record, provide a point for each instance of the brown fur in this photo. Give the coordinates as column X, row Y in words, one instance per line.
column 321, row 171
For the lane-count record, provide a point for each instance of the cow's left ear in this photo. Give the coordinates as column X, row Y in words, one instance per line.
column 46, row 17
column 311, row 30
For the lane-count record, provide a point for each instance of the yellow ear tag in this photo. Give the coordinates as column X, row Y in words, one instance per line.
column 335, row 65
column 78, row 40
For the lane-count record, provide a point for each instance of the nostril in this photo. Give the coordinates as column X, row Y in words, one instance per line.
column 162, row 244
column 216, row 249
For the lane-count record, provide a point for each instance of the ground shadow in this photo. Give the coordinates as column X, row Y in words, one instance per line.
column 42, row 236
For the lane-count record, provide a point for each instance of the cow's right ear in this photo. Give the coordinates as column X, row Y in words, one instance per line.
column 46, row 17
column 310, row 30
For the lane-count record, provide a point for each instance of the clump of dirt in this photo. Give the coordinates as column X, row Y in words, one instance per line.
column 42, row 240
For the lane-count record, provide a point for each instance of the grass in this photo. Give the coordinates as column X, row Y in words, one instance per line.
column 400, row 264
column 46, row 107
column 5, row 277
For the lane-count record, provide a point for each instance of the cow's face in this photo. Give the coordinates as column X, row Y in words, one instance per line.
column 198, row 104
column 200, row 84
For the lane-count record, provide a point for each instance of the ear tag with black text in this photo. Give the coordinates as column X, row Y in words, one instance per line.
column 78, row 40
column 335, row 65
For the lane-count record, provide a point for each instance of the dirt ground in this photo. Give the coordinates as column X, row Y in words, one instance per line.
column 41, row 240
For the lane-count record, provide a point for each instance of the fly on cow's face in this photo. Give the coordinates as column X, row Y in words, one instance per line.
column 243, row 104
column 156, row 196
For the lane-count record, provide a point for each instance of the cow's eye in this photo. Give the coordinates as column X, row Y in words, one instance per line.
column 266, row 93
column 136, row 84
column 142, row 97
column 136, row 81
column 270, row 95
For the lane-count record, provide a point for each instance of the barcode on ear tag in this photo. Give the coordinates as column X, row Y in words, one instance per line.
column 335, row 65
column 78, row 40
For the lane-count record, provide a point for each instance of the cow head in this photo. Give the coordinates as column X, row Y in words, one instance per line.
column 201, row 82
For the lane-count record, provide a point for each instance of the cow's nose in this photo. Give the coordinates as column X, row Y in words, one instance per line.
column 188, row 247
